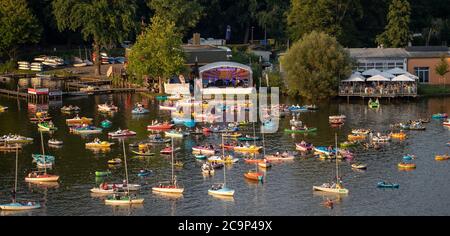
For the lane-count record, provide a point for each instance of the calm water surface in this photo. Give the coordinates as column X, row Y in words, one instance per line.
column 288, row 186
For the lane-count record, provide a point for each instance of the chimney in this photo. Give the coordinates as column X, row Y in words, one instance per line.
column 196, row 39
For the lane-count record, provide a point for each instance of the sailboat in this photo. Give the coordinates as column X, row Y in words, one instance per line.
column 255, row 175
column 334, row 187
column 17, row 206
column 126, row 199
column 39, row 176
column 172, row 186
column 221, row 189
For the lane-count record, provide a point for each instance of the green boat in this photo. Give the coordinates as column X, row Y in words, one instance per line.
column 102, row 173
column 300, row 131
column 348, row 144
column 248, row 139
column 161, row 98
column 373, row 104
column 44, row 126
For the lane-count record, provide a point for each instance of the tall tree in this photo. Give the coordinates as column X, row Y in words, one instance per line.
column 396, row 32
column 442, row 68
column 18, row 26
column 105, row 22
column 315, row 65
column 328, row 16
column 157, row 53
column 270, row 17
column 185, row 13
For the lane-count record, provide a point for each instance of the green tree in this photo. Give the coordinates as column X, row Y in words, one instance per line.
column 314, row 66
column 442, row 68
column 105, row 22
column 157, row 53
column 396, row 32
column 185, row 13
column 329, row 16
column 270, row 16
column 18, row 26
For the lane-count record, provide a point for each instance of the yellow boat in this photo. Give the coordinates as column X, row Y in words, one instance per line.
column 247, row 149
column 234, row 135
column 355, row 137
column 403, row 165
column 442, row 157
column 400, row 135
column 103, row 144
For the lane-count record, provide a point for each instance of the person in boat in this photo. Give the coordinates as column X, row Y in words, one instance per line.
column 293, row 127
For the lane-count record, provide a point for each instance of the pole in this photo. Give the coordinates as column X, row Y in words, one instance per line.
column 336, row 156
column 126, row 169
column 252, row 33
column 172, row 161
column 15, row 180
column 43, row 153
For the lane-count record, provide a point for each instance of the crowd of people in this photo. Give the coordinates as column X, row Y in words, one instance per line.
column 381, row 88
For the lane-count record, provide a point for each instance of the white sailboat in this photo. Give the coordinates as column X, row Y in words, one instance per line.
column 222, row 189
column 39, row 176
column 172, row 185
column 17, row 206
column 333, row 187
column 126, row 199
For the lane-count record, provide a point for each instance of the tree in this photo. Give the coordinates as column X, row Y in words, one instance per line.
column 185, row 13
column 105, row 22
column 315, row 65
column 327, row 16
column 157, row 53
column 18, row 26
column 270, row 16
column 396, row 32
column 442, row 68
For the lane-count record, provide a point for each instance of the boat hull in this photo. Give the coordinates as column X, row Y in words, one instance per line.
column 168, row 190
column 330, row 190
column 19, row 207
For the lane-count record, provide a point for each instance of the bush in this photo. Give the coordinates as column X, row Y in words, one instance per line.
column 9, row 66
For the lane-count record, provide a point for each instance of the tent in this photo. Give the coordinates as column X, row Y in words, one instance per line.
column 396, row 71
column 355, row 78
column 371, row 72
column 387, row 75
column 403, row 78
column 378, row 78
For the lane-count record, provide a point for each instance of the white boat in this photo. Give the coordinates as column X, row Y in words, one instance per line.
column 172, row 185
column 381, row 139
column 174, row 134
column 222, row 189
column 122, row 133
column 107, row 107
column 55, row 142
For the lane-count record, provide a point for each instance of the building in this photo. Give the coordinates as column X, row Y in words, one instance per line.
column 205, row 54
column 382, row 59
column 422, row 62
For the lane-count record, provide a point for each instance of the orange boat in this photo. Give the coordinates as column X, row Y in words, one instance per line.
column 253, row 161
column 254, row 175
column 442, row 157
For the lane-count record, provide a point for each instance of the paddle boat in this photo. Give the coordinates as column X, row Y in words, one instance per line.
column 336, row 121
column 174, row 134
column 156, row 139
column 41, row 177
column 76, row 121
column 280, row 157
column 359, row 166
column 301, row 130
column 356, row 137
column 442, row 157
column 123, row 200
column 381, row 139
column 106, row 124
column 383, row 184
column 144, row 173
column 11, row 139
column 226, row 160
column 143, row 153
column 47, row 126
column 304, row 146
column 200, row 156
column 115, row 161
column 254, row 175
column 102, row 173
column 70, row 108
column 207, row 169
column 17, row 206
column 399, row 135
column 55, row 142
column 374, row 104
column 250, row 148
column 248, row 138
column 86, row 129
column 160, row 126
column 139, row 111
column 122, row 133
column 107, row 108
column 265, row 164
column 168, row 150
column 440, row 116
column 408, row 157
column 404, row 165
column 203, row 150
column 220, row 190
column 98, row 144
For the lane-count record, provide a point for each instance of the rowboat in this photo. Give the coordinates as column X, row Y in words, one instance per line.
column 106, row 124
column 41, row 177
column 86, row 129
column 99, row 144
column 359, row 166
column 107, row 108
column 143, row 153
column 16, row 206
column 301, row 131
column 102, row 173
column 442, row 157
column 79, row 121
column 164, row 126
column 404, row 165
column 220, row 190
column 168, row 150
column 122, row 133
column 44, row 126
column 304, row 147
column 227, row 160
column 115, row 161
column 254, row 175
column 361, row 131
column 203, row 150
column 174, row 134
column 280, row 157
column 383, row 184
column 55, row 142
column 123, row 200
column 440, row 116
column 247, row 148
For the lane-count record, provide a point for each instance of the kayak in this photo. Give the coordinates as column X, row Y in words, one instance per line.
column 143, row 173
column 387, row 185
column 301, row 131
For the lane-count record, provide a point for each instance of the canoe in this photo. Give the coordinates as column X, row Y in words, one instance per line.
column 359, row 166
column 164, row 126
column 168, row 189
column 123, row 200
column 255, row 176
column 442, row 157
column 16, row 206
column 143, row 153
column 102, row 173
column 331, row 190
column 301, row 131
column 387, row 185
column 247, row 149
column 403, row 165
column 103, row 144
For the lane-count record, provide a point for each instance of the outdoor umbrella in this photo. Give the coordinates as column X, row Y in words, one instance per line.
column 371, row 72
column 378, row 78
column 403, row 78
column 396, row 71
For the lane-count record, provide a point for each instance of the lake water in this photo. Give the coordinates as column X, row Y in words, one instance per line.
column 288, row 186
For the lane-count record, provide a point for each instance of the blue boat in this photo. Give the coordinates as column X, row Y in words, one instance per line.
column 40, row 158
column 106, row 124
column 161, row 98
column 200, row 157
column 189, row 123
column 143, row 173
column 383, row 184
column 408, row 157
column 324, row 150
column 297, row 108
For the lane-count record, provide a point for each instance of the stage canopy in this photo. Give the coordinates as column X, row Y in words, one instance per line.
column 226, row 74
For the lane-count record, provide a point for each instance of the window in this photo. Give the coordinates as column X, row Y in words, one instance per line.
column 422, row 73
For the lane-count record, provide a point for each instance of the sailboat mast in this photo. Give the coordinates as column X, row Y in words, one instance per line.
column 224, row 167
column 126, row 168
column 15, row 180
column 43, row 153
column 336, row 156
column 172, row 161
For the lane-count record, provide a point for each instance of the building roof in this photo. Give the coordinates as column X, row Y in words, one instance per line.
column 221, row 64
column 204, row 54
column 361, row 53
